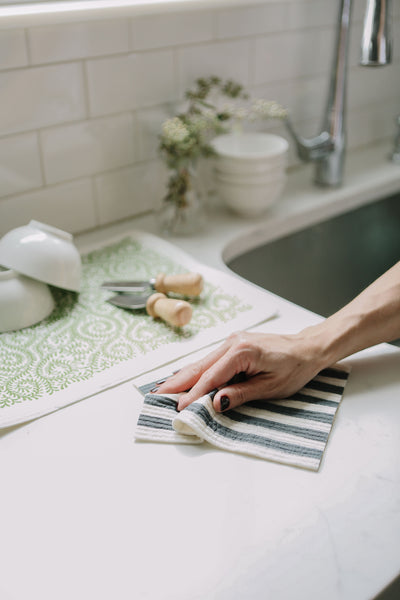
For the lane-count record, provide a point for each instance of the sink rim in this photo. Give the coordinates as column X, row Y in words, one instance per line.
column 276, row 229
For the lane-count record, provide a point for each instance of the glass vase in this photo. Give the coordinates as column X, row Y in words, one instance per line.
column 182, row 210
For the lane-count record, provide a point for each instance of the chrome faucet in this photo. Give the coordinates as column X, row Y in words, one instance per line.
column 328, row 148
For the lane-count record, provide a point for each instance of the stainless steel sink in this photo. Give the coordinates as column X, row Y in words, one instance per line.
column 324, row 266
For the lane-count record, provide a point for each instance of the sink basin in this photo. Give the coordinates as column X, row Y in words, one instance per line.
column 323, row 266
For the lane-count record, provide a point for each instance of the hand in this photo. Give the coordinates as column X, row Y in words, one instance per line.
column 275, row 366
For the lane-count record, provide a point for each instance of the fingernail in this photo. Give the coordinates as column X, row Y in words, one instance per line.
column 154, row 390
column 224, row 402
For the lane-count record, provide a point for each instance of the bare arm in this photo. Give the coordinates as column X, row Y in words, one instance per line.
column 279, row 365
column 371, row 318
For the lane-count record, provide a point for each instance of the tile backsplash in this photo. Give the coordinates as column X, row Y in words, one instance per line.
column 81, row 104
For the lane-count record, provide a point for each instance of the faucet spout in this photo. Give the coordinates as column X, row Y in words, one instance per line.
column 376, row 44
column 328, row 148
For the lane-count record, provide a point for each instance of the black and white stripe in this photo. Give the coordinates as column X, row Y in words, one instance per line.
column 293, row 431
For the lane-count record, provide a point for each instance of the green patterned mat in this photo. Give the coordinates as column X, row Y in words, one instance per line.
column 85, row 335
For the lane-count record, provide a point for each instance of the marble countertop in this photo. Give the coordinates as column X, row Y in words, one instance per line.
column 88, row 513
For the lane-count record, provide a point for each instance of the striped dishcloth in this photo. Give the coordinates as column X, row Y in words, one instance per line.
column 293, row 431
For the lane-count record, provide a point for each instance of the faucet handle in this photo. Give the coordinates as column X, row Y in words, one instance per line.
column 310, row 149
column 395, row 156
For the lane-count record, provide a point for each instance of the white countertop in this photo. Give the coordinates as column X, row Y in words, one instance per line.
column 87, row 513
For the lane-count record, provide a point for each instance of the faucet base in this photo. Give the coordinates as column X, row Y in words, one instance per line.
column 329, row 169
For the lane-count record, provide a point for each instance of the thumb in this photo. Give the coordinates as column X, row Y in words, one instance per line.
column 231, row 396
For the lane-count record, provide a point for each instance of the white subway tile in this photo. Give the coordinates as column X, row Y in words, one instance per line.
column 155, row 79
column 40, row 96
column 396, row 35
column 157, row 31
column 111, row 83
column 254, row 20
column 282, row 51
column 12, row 49
column 52, row 43
column 358, row 11
column 368, row 85
column 131, row 191
column 87, row 148
column 355, row 44
column 125, row 82
column 19, row 164
column 314, row 13
column 376, row 122
column 149, row 122
column 305, row 99
column 280, row 91
column 69, row 206
column 308, row 99
column 224, row 59
column 291, row 55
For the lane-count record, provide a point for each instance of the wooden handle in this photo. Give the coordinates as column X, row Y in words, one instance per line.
column 175, row 312
column 187, row 284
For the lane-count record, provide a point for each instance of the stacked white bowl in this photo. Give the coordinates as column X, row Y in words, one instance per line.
column 33, row 257
column 250, row 170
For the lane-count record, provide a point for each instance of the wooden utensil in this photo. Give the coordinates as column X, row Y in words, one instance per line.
column 173, row 311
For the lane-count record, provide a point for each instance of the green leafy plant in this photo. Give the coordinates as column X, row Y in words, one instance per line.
column 187, row 136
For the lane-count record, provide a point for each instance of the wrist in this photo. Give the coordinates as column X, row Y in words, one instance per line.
column 337, row 337
column 323, row 344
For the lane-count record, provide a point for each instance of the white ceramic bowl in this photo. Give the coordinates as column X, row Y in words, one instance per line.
column 250, row 200
column 23, row 301
column 249, row 152
column 255, row 178
column 247, row 167
column 44, row 253
column 264, row 169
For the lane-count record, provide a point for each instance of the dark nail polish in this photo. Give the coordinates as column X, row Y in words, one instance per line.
column 224, row 402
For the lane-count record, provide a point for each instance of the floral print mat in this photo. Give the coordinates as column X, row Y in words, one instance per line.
column 87, row 344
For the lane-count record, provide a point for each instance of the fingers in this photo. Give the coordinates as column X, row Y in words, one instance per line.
column 232, row 396
column 235, row 357
column 189, row 375
column 274, row 367
column 218, row 373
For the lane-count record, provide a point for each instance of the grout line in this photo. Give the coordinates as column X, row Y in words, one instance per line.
column 95, row 200
column 27, row 48
column 41, row 158
column 216, row 16
column 176, row 57
column 114, row 170
column 252, row 62
column 137, row 137
column 86, row 89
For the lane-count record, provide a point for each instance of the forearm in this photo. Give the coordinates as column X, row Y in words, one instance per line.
column 277, row 366
column 371, row 318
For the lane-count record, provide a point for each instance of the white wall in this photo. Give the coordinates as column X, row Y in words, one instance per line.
column 81, row 104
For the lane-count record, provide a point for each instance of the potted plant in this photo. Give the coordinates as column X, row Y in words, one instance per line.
column 186, row 137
